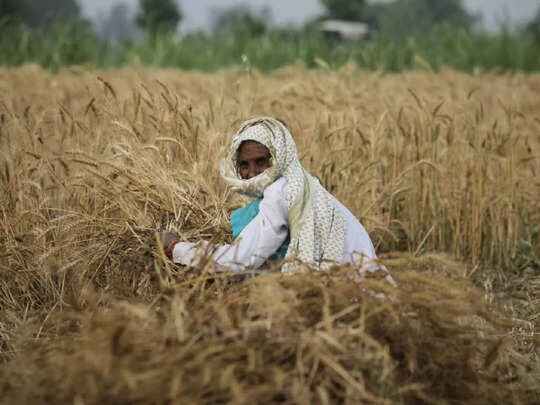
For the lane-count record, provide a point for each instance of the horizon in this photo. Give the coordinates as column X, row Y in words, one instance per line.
column 198, row 13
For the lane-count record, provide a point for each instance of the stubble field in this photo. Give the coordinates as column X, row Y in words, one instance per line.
column 442, row 169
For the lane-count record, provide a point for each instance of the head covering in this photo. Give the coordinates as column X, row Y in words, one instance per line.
column 316, row 226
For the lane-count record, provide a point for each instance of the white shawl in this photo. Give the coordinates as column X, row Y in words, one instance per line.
column 317, row 228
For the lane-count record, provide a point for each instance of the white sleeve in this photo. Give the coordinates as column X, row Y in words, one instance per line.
column 259, row 240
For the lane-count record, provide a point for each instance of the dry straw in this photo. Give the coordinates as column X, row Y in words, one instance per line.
column 92, row 164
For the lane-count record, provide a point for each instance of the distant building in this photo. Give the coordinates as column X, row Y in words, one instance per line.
column 345, row 30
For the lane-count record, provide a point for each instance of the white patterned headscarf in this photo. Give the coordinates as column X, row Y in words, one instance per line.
column 316, row 227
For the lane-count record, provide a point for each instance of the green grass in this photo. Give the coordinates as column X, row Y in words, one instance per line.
column 75, row 44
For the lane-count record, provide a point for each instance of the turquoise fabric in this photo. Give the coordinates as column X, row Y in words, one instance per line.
column 241, row 217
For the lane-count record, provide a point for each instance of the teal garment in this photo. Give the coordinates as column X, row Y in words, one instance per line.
column 241, row 217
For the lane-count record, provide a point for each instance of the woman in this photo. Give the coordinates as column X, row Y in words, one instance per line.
column 290, row 216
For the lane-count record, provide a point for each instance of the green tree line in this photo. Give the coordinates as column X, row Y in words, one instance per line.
column 408, row 34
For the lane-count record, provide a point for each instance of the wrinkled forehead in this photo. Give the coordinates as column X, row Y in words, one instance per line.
column 258, row 133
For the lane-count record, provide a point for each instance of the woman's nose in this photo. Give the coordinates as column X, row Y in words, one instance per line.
column 254, row 170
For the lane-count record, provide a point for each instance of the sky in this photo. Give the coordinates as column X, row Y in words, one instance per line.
column 198, row 13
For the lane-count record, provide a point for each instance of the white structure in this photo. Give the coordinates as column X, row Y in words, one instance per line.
column 345, row 30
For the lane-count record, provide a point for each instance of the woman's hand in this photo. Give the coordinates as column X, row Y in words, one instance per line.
column 168, row 240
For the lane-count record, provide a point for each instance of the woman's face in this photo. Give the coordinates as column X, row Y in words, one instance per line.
column 253, row 159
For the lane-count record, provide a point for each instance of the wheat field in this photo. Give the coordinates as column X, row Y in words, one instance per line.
column 441, row 168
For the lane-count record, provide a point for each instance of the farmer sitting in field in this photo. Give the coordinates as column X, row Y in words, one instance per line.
column 290, row 214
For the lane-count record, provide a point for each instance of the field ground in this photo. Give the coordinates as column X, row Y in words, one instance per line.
column 443, row 170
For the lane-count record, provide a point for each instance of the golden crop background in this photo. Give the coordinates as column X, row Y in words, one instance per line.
column 442, row 169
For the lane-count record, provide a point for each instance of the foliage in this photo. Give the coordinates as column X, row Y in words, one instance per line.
column 45, row 12
column 65, row 44
column 241, row 21
column 54, row 46
column 39, row 13
column 13, row 10
column 158, row 16
column 117, row 25
column 350, row 10
column 403, row 18
column 534, row 26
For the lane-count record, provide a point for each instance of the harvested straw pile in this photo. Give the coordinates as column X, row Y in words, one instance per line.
column 92, row 313
column 302, row 339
